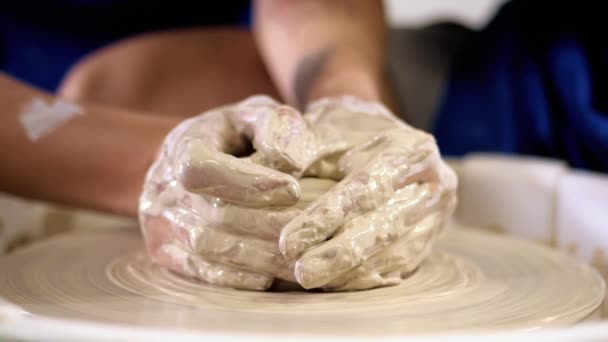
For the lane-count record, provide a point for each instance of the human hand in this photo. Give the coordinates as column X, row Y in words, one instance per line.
column 208, row 214
column 394, row 196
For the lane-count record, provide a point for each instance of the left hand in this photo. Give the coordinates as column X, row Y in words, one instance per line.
column 207, row 213
column 394, row 196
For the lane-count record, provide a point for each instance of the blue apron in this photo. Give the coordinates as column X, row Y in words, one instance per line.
column 534, row 81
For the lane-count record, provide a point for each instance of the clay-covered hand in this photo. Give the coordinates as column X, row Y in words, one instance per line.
column 394, row 196
column 209, row 214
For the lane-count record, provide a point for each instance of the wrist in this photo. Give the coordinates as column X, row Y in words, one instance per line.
column 145, row 151
column 349, row 74
column 123, row 146
column 358, row 83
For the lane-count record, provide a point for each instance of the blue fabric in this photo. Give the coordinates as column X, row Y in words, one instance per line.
column 40, row 40
column 535, row 81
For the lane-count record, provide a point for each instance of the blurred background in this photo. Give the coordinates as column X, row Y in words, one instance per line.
column 472, row 13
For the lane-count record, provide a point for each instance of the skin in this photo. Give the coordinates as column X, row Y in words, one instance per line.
column 134, row 92
column 321, row 49
column 301, row 51
column 84, row 162
column 177, row 73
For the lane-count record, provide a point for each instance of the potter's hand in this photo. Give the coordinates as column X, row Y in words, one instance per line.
column 377, row 224
column 208, row 214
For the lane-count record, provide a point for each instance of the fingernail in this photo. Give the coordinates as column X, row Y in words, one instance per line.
column 311, row 273
column 318, row 268
column 287, row 247
column 293, row 190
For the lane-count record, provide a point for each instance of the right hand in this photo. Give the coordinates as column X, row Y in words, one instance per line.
column 394, row 197
column 208, row 214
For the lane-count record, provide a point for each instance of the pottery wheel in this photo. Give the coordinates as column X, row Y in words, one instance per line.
column 473, row 280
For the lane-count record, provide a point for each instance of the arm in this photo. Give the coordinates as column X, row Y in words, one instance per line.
column 324, row 48
column 97, row 160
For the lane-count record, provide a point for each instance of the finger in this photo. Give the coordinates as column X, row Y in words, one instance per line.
column 264, row 223
column 367, row 188
column 179, row 260
column 341, row 125
column 313, row 188
column 396, row 146
column 355, row 119
column 216, row 245
column 389, row 266
column 166, row 250
column 365, row 236
column 278, row 133
column 212, row 127
column 200, row 152
column 206, row 171
column 227, row 276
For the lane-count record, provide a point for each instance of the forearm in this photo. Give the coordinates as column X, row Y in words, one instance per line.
column 97, row 160
column 322, row 48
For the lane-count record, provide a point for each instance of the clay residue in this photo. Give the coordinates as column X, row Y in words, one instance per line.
column 202, row 208
column 491, row 282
